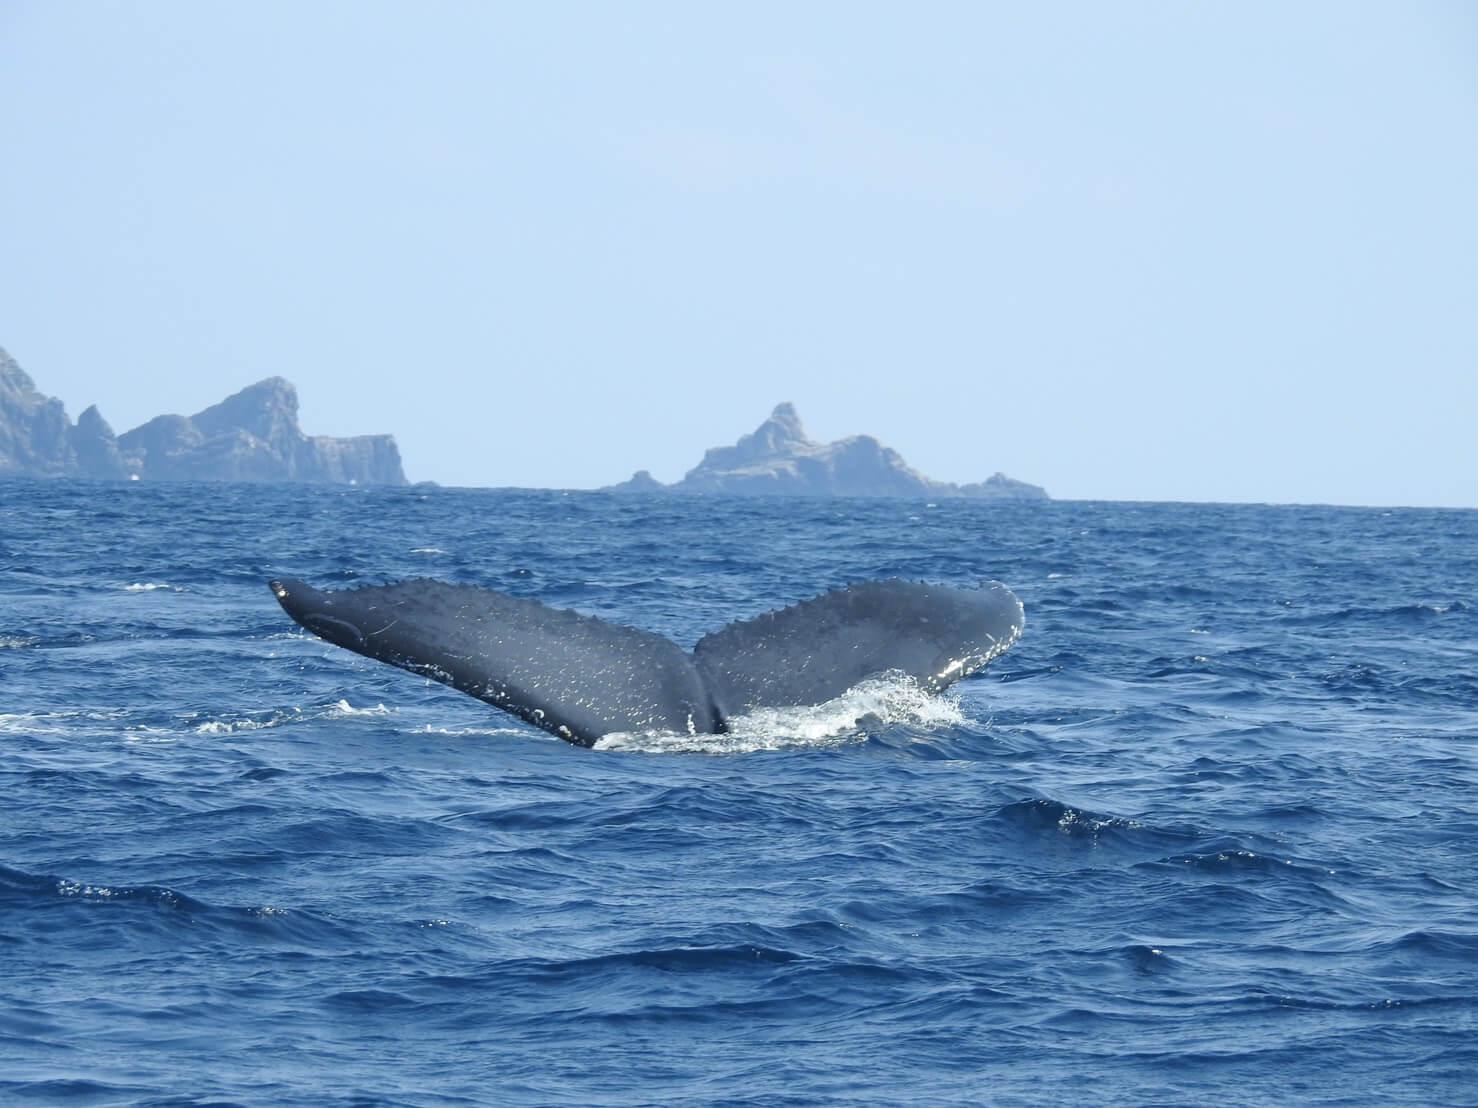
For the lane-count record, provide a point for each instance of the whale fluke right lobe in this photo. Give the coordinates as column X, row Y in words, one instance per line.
column 818, row 649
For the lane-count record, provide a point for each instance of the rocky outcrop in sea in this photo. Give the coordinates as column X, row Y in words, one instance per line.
column 251, row 436
column 779, row 458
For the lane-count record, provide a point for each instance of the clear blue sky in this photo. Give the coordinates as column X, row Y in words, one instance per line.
column 1126, row 251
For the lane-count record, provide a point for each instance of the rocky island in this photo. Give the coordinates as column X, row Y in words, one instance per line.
column 778, row 458
column 251, row 436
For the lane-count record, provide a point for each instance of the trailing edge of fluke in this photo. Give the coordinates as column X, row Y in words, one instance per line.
column 579, row 677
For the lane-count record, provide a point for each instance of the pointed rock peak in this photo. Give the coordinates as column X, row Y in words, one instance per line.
column 776, row 435
column 785, row 416
column 780, row 435
column 269, row 390
column 92, row 421
column 266, row 409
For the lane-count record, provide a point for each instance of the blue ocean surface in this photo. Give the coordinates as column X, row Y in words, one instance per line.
column 1207, row 834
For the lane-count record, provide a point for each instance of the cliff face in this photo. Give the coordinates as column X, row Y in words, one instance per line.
column 251, row 436
column 778, row 458
column 254, row 436
column 34, row 438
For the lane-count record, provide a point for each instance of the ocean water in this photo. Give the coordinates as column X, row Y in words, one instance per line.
column 1205, row 835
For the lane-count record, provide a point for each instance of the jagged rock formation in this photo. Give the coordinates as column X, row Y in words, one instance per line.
column 254, row 436
column 34, row 429
column 778, row 458
column 1000, row 487
column 96, row 448
column 640, row 481
column 251, row 436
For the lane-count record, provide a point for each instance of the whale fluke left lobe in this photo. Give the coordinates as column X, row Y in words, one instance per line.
column 575, row 676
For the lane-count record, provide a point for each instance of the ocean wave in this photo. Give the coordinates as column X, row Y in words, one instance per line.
column 1043, row 814
column 1236, row 860
column 478, row 732
column 277, row 717
column 22, row 891
column 273, row 718
column 18, row 888
column 1394, row 616
column 671, row 960
column 1426, row 944
column 61, row 722
column 344, row 708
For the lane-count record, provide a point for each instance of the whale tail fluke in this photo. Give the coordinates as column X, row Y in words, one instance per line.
column 579, row 677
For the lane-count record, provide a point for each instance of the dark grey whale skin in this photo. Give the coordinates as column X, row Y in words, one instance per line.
column 579, row 677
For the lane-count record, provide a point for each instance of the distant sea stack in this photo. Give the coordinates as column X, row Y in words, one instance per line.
column 779, row 459
column 251, row 436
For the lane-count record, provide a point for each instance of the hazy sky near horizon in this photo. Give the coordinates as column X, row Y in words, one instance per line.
column 1125, row 251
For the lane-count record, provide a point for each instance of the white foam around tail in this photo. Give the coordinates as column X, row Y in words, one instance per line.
column 874, row 704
